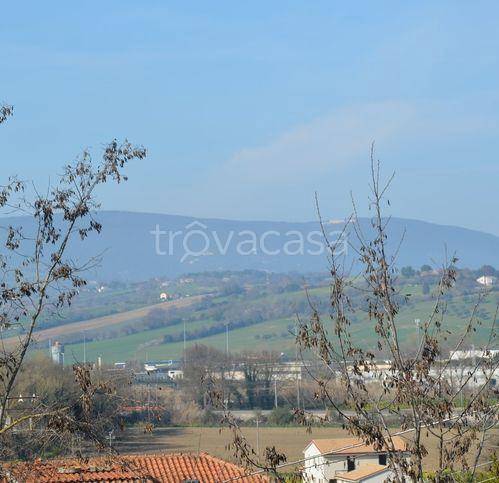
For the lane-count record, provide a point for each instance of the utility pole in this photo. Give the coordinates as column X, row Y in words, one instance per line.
column 227, row 338
column 419, row 327
column 297, row 375
column 258, row 436
column 84, row 348
column 148, row 403
column 298, row 391
column 184, row 344
column 275, row 392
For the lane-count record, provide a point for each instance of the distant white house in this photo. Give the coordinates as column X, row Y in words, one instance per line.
column 487, row 280
column 348, row 460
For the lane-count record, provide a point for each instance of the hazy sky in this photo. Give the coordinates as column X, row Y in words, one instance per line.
column 247, row 108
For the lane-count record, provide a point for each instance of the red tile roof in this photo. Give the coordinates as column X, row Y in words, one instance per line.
column 352, row 446
column 164, row 468
column 365, row 471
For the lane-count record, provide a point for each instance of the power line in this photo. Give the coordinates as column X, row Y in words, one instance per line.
column 317, row 465
column 356, row 445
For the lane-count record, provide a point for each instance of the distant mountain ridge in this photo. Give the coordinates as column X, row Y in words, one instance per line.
column 138, row 246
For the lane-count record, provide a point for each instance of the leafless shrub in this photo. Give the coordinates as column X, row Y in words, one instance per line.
column 38, row 277
column 420, row 390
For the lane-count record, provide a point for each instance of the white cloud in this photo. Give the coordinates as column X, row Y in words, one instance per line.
column 334, row 142
column 331, row 155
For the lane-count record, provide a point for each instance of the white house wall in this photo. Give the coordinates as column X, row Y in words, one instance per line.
column 322, row 469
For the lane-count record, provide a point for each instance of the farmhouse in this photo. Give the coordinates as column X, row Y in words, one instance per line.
column 487, row 280
column 347, row 460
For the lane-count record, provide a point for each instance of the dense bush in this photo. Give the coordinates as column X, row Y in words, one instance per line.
column 281, row 416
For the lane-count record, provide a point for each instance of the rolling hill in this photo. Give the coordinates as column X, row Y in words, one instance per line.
column 139, row 246
column 62, row 330
column 275, row 333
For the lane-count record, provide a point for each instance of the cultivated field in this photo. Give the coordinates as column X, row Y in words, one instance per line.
column 290, row 440
column 142, row 346
column 271, row 335
column 109, row 320
column 270, row 330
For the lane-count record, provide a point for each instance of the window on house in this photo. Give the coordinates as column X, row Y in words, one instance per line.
column 350, row 463
column 382, row 459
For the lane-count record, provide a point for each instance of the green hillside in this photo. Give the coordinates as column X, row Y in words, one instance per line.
column 272, row 334
column 261, row 310
column 128, row 348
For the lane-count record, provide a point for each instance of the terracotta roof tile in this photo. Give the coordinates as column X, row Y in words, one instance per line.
column 363, row 472
column 333, row 446
column 163, row 468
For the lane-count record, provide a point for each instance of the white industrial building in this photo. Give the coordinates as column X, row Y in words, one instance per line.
column 473, row 354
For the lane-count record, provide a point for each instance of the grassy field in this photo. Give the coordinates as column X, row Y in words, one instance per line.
column 138, row 346
column 267, row 335
column 290, row 440
column 134, row 347
column 109, row 320
column 272, row 334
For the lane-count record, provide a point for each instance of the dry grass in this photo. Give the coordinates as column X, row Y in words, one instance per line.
column 291, row 441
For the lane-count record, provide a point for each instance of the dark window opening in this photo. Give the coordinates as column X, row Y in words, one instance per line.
column 382, row 459
column 350, row 463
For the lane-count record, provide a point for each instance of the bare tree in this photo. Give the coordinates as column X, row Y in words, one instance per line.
column 412, row 393
column 259, row 369
column 204, row 367
column 419, row 390
column 37, row 277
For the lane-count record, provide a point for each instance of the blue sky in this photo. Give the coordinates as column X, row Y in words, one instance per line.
column 247, row 108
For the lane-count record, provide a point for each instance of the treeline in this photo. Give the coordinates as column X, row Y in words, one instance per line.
column 466, row 278
column 243, row 313
column 257, row 384
column 253, row 297
column 240, row 310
